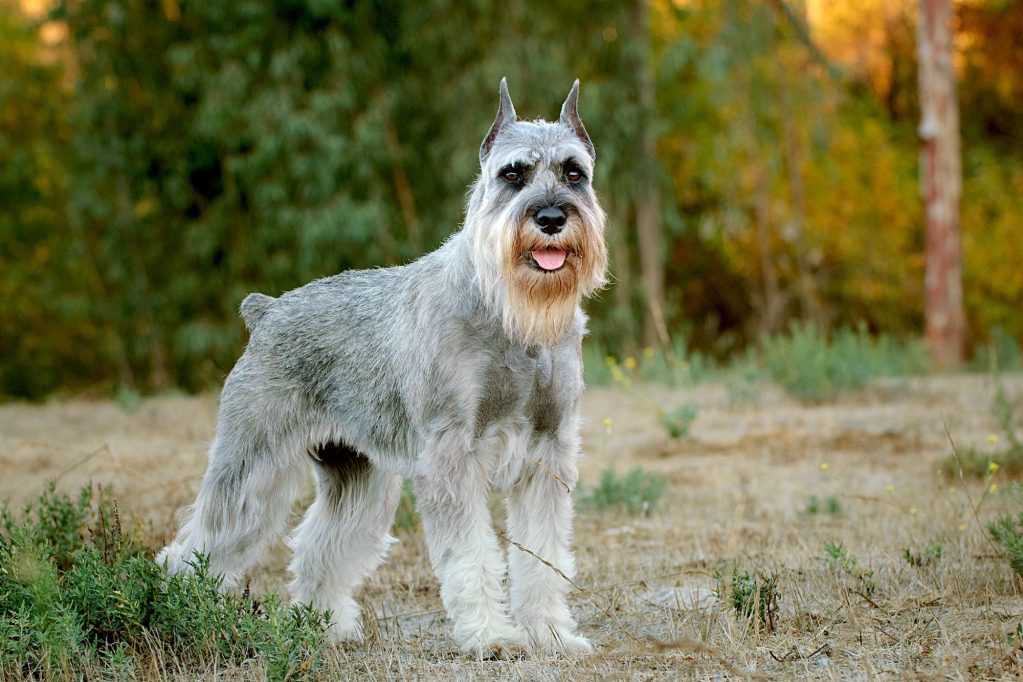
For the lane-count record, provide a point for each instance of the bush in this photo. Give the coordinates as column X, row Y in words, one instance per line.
column 678, row 421
column 1007, row 531
column 638, row 492
column 752, row 595
column 810, row 366
column 81, row 598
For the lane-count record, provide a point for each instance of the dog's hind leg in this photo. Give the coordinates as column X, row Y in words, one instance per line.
column 244, row 500
column 344, row 535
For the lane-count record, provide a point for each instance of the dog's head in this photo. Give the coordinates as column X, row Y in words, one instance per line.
column 538, row 229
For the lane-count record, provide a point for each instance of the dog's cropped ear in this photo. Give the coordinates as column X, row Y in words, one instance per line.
column 570, row 117
column 505, row 116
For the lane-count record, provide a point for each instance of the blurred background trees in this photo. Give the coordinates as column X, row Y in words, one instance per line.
column 758, row 160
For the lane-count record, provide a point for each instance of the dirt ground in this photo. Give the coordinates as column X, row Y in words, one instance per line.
column 738, row 490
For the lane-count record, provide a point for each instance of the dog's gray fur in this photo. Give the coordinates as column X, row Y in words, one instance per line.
column 461, row 370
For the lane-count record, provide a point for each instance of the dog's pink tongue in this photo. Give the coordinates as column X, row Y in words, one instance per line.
column 549, row 259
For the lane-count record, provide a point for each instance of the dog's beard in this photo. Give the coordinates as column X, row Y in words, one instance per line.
column 537, row 305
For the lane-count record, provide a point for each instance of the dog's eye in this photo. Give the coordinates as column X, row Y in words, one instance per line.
column 512, row 176
column 573, row 176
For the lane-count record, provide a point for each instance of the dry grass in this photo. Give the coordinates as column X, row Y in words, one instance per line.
column 737, row 493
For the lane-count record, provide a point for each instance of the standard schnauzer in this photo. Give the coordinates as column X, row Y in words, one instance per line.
column 461, row 370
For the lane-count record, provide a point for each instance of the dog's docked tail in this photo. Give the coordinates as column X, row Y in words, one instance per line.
column 253, row 307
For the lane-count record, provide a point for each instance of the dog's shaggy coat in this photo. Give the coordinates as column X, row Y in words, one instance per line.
column 461, row 370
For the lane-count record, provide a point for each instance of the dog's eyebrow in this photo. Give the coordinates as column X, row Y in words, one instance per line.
column 517, row 166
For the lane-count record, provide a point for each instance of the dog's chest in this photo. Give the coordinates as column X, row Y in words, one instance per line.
column 523, row 403
column 519, row 387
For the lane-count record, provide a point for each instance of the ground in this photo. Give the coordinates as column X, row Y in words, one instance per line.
column 738, row 491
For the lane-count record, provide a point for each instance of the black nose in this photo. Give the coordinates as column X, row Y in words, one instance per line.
column 550, row 219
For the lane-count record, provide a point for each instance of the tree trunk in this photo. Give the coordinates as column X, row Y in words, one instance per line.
column 940, row 183
column 773, row 305
column 648, row 200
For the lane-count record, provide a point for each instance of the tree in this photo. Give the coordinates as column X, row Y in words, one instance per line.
column 940, row 183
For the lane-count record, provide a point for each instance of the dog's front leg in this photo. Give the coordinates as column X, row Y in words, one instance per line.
column 540, row 520
column 451, row 497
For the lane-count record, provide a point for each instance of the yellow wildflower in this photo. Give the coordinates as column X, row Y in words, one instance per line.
column 993, row 467
column 890, row 489
column 824, row 466
column 992, row 439
column 994, row 487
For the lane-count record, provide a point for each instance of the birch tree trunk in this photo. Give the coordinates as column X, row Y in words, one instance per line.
column 940, row 183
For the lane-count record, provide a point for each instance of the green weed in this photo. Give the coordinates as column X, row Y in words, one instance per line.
column 406, row 517
column 638, row 492
column 752, row 595
column 860, row 580
column 1007, row 531
column 831, row 505
column 929, row 556
column 678, row 421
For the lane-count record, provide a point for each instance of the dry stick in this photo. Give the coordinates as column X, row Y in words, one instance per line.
column 966, row 488
column 81, row 460
column 656, row 644
column 795, row 655
column 571, row 582
column 557, row 478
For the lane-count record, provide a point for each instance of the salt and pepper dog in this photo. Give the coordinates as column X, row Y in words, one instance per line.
column 461, row 370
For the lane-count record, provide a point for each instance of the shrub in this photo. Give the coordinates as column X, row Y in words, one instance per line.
column 810, row 366
column 1007, row 531
column 638, row 492
column 752, row 595
column 846, row 565
column 80, row 598
column 678, row 421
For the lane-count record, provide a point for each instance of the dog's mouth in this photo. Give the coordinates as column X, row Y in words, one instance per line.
column 549, row 259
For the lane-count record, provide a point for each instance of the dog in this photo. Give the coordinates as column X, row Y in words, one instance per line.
column 461, row 370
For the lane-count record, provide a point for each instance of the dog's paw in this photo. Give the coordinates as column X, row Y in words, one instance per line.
column 558, row 639
column 350, row 632
column 498, row 644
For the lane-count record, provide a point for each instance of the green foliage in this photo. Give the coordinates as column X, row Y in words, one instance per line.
column 859, row 580
column 929, row 556
column 199, row 151
column 638, row 492
column 78, row 594
column 832, row 505
column 678, row 421
column 752, row 595
column 812, row 367
column 406, row 518
column 1007, row 531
